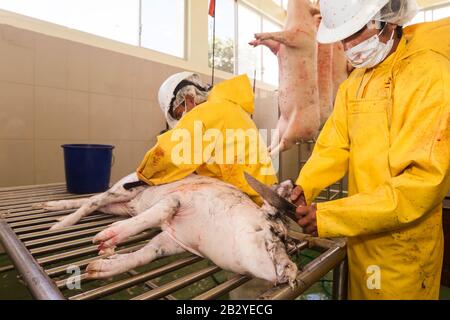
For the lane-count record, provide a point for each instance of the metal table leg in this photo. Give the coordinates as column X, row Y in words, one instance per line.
column 39, row 284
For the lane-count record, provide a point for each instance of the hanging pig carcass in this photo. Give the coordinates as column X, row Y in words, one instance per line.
column 296, row 48
column 332, row 70
column 309, row 75
column 202, row 215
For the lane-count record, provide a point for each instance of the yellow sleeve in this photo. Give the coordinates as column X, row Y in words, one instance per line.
column 329, row 160
column 419, row 160
column 176, row 154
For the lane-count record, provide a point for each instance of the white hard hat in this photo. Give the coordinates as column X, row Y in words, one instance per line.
column 166, row 94
column 343, row 18
column 398, row 12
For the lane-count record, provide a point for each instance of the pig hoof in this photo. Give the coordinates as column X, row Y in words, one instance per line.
column 113, row 235
column 105, row 268
column 49, row 206
column 57, row 226
column 293, row 284
column 60, row 225
column 107, row 252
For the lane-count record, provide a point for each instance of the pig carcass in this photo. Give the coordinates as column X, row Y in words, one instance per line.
column 296, row 48
column 202, row 215
column 309, row 75
column 331, row 72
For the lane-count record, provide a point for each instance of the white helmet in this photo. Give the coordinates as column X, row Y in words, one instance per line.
column 343, row 18
column 166, row 94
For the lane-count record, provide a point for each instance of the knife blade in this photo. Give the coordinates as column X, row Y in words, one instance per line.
column 273, row 198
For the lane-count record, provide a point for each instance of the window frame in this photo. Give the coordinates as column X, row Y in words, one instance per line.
column 139, row 30
column 262, row 16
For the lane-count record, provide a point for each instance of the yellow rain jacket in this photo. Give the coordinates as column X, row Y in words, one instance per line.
column 217, row 139
column 390, row 131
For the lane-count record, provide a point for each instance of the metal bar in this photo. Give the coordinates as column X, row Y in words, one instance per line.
column 17, row 196
column 43, row 220
column 90, row 249
column 61, row 284
column 25, row 213
column 45, row 233
column 61, row 246
column 82, row 224
column 6, row 268
column 28, row 202
column 126, row 283
column 65, row 245
column 177, row 284
column 316, row 242
column 312, row 273
column 152, row 285
column 82, row 263
column 223, row 288
column 62, row 237
column 340, row 281
column 8, row 189
column 38, row 216
column 39, row 284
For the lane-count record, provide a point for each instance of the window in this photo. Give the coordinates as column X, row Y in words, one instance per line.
column 225, row 33
column 431, row 14
column 282, row 3
column 249, row 58
column 270, row 61
column 162, row 21
column 233, row 53
column 163, row 26
column 113, row 19
column 441, row 13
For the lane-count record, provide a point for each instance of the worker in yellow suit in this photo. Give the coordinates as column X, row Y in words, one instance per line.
column 212, row 134
column 390, row 131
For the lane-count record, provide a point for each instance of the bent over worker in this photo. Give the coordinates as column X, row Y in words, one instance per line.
column 390, row 131
column 206, row 126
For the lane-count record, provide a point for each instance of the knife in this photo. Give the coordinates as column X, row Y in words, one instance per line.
column 273, row 198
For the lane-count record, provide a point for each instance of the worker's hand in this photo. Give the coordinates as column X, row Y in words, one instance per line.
column 307, row 219
column 298, row 197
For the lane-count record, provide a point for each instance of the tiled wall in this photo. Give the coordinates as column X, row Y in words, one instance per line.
column 54, row 91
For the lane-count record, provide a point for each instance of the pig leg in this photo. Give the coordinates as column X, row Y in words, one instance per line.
column 116, row 194
column 274, row 46
column 289, row 37
column 160, row 246
column 118, row 209
column 61, row 204
column 151, row 218
column 277, row 138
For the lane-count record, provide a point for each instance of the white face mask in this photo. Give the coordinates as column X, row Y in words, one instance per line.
column 370, row 52
column 185, row 110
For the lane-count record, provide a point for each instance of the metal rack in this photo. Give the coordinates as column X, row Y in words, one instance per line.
column 42, row 257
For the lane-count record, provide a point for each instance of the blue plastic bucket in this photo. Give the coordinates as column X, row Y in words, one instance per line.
column 88, row 167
